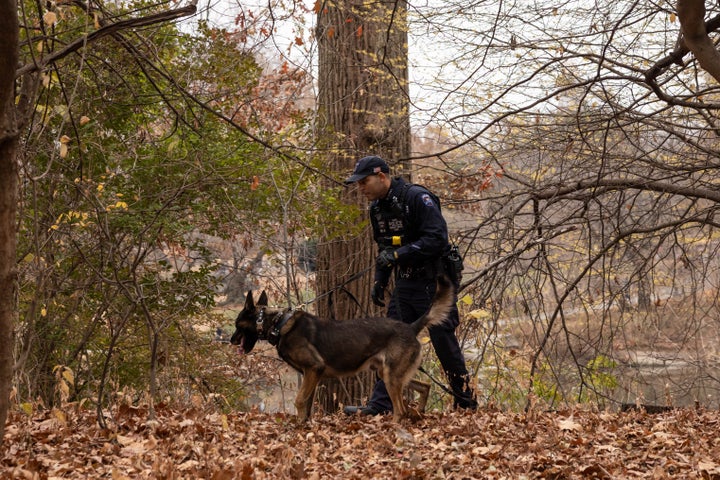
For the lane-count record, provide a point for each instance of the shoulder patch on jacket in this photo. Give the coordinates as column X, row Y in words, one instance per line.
column 427, row 200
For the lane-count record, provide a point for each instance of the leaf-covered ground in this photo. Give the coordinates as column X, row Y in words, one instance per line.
column 195, row 443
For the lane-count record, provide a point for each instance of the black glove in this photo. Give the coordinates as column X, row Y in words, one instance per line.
column 378, row 294
column 386, row 259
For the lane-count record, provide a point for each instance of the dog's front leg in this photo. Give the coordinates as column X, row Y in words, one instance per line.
column 304, row 398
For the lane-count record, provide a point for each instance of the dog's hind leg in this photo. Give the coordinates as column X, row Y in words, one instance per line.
column 397, row 376
column 306, row 393
column 394, row 388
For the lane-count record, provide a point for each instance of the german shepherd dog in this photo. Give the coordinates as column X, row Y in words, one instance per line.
column 320, row 348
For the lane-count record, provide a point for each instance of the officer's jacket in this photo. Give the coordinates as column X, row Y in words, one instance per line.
column 421, row 227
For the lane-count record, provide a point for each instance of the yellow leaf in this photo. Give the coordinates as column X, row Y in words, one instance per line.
column 424, row 340
column 63, row 111
column 27, row 408
column 100, row 187
column 63, row 150
column 43, row 311
column 672, row 17
column 225, row 425
column 49, row 18
column 467, row 300
column 68, row 375
column 479, row 314
column 64, row 390
column 60, row 416
column 64, row 139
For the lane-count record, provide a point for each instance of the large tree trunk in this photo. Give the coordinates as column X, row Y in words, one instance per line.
column 363, row 110
column 8, row 198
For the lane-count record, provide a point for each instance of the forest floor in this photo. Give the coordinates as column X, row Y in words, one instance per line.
column 198, row 442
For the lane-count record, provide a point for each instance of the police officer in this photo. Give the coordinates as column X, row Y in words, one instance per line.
column 412, row 236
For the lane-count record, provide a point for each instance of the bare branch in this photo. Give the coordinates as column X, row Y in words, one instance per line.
column 606, row 184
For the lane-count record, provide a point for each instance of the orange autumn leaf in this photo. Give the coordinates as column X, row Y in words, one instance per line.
column 255, row 183
column 359, row 31
column 331, row 32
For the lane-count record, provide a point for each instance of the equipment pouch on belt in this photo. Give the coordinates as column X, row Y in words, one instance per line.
column 453, row 264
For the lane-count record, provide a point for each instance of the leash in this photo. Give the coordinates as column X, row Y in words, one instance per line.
column 436, row 382
column 441, row 385
column 341, row 287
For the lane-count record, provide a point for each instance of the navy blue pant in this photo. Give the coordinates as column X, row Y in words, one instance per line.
column 410, row 300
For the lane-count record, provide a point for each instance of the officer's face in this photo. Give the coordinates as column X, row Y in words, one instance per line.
column 375, row 186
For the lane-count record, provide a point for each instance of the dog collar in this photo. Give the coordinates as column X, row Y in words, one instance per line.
column 274, row 335
column 260, row 320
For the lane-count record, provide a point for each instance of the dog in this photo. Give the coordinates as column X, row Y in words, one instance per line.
column 321, row 348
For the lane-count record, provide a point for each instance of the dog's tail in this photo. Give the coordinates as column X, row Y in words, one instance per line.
column 441, row 305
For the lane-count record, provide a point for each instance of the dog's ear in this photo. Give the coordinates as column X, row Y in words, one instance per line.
column 263, row 299
column 249, row 304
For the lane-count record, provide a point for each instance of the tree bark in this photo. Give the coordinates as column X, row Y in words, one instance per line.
column 9, row 37
column 362, row 110
column 692, row 20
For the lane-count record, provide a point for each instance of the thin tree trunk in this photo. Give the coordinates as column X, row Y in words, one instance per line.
column 8, row 198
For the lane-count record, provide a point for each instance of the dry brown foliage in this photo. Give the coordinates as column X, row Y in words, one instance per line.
column 198, row 442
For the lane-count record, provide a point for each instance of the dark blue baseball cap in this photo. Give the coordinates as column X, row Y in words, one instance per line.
column 367, row 166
